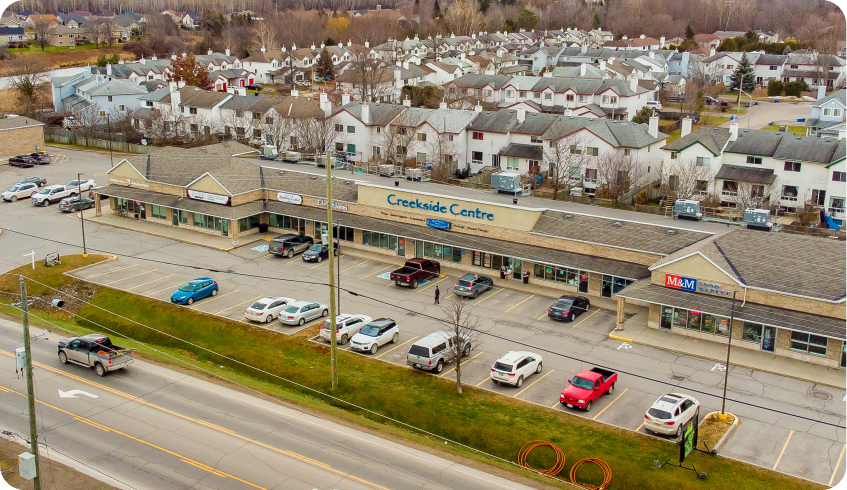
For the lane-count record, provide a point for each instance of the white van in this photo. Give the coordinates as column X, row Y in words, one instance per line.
column 654, row 104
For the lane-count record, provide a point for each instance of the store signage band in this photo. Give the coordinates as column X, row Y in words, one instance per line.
column 454, row 209
column 438, row 224
column 208, row 197
column 289, row 198
column 680, row 282
column 128, row 182
column 335, row 205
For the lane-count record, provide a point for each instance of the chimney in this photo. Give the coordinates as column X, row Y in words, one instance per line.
column 226, row 51
column 633, row 84
column 349, row 42
column 711, row 51
column 733, row 131
column 442, row 105
column 367, row 44
column 263, row 49
column 283, row 49
column 173, row 56
column 109, row 69
column 322, row 97
column 583, row 49
column 407, row 102
column 686, row 127
column 642, row 36
column 821, row 92
column 326, row 105
column 176, row 99
column 154, row 57
column 406, row 64
column 209, row 52
column 662, row 42
column 521, row 115
column 345, row 99
column 548, row 74
column 477, row 108
column 120, row 62
column 295, row 92
column 184, row 54
column 323, row 45
column 568, row 112
column 653, row 127
column 313, row 46
column 142, row 61
column 582, row 69
column 378, row 8
column 842, row 134
column 340, row 45
column 366, row 113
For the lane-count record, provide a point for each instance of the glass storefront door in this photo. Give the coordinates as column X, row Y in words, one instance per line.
column 175, row 217
column 419, row 248
column 843, row 354
column 516, row 266
column 583, row 282
column 401, row 247
column 606, row 289
column 769, row 339
column 667, row 318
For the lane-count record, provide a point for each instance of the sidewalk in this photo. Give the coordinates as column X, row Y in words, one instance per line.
column 636, row 331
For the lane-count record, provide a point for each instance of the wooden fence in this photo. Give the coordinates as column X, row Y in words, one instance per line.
column 66, row 137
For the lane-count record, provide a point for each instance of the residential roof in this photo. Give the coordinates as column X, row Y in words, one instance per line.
column 197, row 97
column 620, row 134
column 713, row 138
column 7, row 123
column 116, row 87
column 746, row 174
column 501, row 121
column 11, row 31
column 771, row 59
column 450, row 120
column 533, row 152
column 809, row 149
column 839, row 95
column 381, row 114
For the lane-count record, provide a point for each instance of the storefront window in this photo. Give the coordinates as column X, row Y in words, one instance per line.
column 477, row 259
column 680, row 318
column 383, row 240
column 157, row 211
column 392, row 242
column 619, row 284
column 707, row 323
column 429, row 250
column 667, row 318
column 805, row 342
column 297, row 225
column 486, row 260
column 694, row 319
column 752, row 332
column 366, row 238
column 723, row 327
column 248, row 223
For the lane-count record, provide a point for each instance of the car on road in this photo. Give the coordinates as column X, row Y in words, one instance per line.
column 267, row 309
column 346, row 326
column 194, row 290
column 472, row 285
column 375, row 334
column 254, row 86
column 41, row 158
column 50, row 194
column 653, row 104
column 587, row 386
column 300, row 312
column 568, row 307
column 39, row 181
column 22, row 161
column 290, row 244
column 95, row 350
column 415, row 271
column 20, row 191
column 514, row 367
column 710, row 100
column 436, row 349
column 670, row 413
column 75, row 203
column 85, row 185
column 318, row 252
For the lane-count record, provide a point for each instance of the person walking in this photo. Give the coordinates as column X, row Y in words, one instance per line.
column 437, row 294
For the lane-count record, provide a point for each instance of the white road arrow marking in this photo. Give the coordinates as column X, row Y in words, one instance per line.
column 74, row 393
column 719, row 367
column 624, row 346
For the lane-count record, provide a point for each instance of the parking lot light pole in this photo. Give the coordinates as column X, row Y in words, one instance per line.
column 722, row 415
column 81, row 215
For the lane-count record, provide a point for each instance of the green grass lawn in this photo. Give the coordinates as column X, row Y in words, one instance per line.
column 493, row 423
column 798, row 130
column 712, row 120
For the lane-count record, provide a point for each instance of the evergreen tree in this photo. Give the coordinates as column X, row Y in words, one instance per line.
column 484, row 5
column 689, row 32
column 643, row 115
column 326, row 70
column 417, row 7
column 596, row 20
column 527, row 19
column 437, row 10
column 743, row 77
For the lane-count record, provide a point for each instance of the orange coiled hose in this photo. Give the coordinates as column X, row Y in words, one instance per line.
column 552, row 471
column 607, row 473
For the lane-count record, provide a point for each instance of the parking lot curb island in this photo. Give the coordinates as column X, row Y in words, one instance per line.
column 726, row 435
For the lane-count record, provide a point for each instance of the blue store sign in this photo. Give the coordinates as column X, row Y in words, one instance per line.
column 437, row 223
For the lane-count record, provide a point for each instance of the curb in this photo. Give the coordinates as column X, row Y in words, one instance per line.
column 745, row 366
column 158, row 235
column 726, row 434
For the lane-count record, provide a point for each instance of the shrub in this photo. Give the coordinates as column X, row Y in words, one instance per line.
column 795, row 88
column 775, row 87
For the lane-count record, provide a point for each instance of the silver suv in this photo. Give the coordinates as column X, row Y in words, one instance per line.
column 433, row 351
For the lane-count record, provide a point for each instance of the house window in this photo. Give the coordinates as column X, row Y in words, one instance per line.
column 194, row 128
column 582, row 98
column 591, row 175
column 703, row 161
column 121, row 107
column 148, row 103
column 627, row 152
column 257, row 116
column 257, row 133
column 512, row 163
column 523, row 94
column 772, row 68
column 477, row 135
column 476, row 157
column 535, row 139
column 377, row 151
column 269, row 120
column 789, row 193
column 102, row 113
column 239, row 113
column 239, row 132
column 569, row 97
column 792, row 166
column 826, row 112
column 536, row 95
column 674, row 155
column 605, row 99
column 339, row 128
column 591, row 151
column 449, row 137
column 754, row 160
column 495, row 161
column 510, row 93
column 157, row 211
column 227, row 130
column 818, row 197
column 836, row 112
column 701, row 186
column 351, row 129
column 378, row 130
column 534, row 163
column 548, row 96
column 421, row 136
column 110, row 99
column 805, row 342
column 839, row 176
column 192, row 110
column 614, row 100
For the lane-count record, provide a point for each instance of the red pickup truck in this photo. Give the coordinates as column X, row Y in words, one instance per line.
column 415, row 271
column 587, row 386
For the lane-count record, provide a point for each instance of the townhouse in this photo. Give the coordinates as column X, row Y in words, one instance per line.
column 808, row 66
column 827, row 114
column 641, row 43
column 768, row 67
column 13, row 37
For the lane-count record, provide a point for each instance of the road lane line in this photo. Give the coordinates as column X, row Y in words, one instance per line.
column 357, row 265
column 148, row 282
column 92, row 424
column 460, row 363
column 431, row 285
column 445, row 298
column 586, row 318
column 783, row 449
column 216, row 297
column 556, row 404
column 837, row 464
column 204, row 468
column 522, row 302
column 111, row 271
column 609, row 405
column 495, row 293
column 536, row 381
column 401, row 345
column 130, row 277
column 372, row 273
column 239, row 304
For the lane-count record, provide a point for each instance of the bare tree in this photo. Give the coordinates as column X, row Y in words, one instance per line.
column 565, row 158
column 277, row 129
column 264, row 36
column 397, row 139
column 373, row 79
column 239, row 124
column 28, row 80
column 464, row 17
column 463, row 330
column 166, row 126
column 317, row 135
column 41, row 34
column 759, row 196
column 94, row 25
column 108, row 27
column 685, row 178
column 441, row 155
column 619, row 175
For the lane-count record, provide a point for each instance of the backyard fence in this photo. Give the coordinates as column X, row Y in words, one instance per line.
column 100, row 141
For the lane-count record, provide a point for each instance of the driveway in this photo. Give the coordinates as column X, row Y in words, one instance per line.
column 758, row 116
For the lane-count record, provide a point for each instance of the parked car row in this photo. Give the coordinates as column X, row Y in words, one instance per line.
column 31, row 160
column 37, row 191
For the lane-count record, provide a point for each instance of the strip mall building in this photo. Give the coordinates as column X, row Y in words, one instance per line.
column 685, row 278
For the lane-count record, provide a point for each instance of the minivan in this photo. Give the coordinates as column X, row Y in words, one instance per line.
column 654, row 104
column 431, row 352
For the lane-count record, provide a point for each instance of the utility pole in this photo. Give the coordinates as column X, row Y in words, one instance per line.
column 722, row 415
column 81, row 215
column 338, row 272
column 33, row 428
column 333, row 347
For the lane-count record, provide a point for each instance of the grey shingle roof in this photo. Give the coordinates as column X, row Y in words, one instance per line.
column 308, row 184
column 755, row 142
column 450, row 120
column 840, row 95
column 535, row 124
column 17, row 122
column 533, row 152
column 116, row 87
column 472, row 80
column 746, row 174
column 617, row 133
column 241, row 102
column 501, row 121
column 771, row 59
column 713, row 138
column 806, row 149
column 197, row 97
column 156, row 95
column 183, row 203
column 381, row 114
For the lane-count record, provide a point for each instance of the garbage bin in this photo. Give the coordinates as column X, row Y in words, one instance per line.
column 263, row 227
column 526, row 278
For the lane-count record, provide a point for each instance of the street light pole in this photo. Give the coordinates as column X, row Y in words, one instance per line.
column 33, row 427
column 722, row 415
column 81, row 214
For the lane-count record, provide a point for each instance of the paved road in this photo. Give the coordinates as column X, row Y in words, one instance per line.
column 155, row 428
column 758, row 116
column 804, row 448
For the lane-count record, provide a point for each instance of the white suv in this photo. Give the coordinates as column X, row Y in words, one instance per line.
column 514, row 367
column 346, row 326
column 374, row 334
column 670, row 413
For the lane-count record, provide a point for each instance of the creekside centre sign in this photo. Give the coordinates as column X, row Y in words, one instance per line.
column 436, row 206
column 679, row 282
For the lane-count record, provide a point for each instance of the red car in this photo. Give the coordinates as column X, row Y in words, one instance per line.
column 587, row 386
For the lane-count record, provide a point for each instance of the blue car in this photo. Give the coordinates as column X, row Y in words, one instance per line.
column 193, row 290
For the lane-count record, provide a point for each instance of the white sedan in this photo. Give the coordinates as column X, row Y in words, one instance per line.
column 670, row 413
column 300, row 312
column 83, row 185
column 266, row 309
column 20, row 191
column 514, row 367
column 346, row 326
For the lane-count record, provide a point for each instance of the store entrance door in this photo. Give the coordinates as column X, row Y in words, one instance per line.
column 401, row 247
column 516, row 266
column 769, row 339
column 175, row 217
column 419, row 248
column 667, row 318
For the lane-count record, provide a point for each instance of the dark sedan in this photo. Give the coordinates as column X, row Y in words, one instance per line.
column 318, row 252
column 254, row 86
column 40, row 182
column 23, row 161
column 75, row 203
column 568, row 307
column 40, row 158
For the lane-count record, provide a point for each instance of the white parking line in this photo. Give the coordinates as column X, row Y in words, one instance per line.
column 216, row 297
column 783, row 449
column 148, row 282
column 536, row 381
column 130, row 277
column 109, row 272
column 397, row 347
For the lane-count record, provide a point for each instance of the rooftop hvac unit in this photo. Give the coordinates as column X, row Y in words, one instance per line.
column 506, row 182
column 268, row 152
column 576, row 191
column 415, row 174
column 292, row 156
column 758, row 219
column 687, row 209
column 386, row 170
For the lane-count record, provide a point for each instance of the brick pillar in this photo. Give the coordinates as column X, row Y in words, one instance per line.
column 233, row 231
column 620, row 312
column 97, row 210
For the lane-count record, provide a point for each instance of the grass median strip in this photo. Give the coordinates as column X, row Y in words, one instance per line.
column 497, row 424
